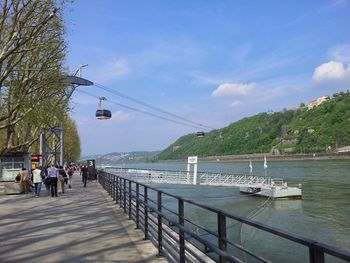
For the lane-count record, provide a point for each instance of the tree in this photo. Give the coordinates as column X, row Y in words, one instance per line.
column 71, row 140
column 32, row 94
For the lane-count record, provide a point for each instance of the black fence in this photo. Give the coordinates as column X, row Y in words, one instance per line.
column 162, row 217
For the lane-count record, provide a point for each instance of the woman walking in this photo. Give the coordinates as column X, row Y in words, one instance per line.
column 37, row 180
column 61, row 179
column 70, row 172
column 25, row 180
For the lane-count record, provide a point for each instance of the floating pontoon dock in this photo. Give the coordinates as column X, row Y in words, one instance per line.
column 248, row 184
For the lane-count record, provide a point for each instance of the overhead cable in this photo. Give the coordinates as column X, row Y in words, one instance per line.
column 141, row 111
column 118, row 93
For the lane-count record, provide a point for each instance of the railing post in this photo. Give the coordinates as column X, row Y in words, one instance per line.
column 103, row 181
column 109, row 184
column 222, row 237
column 181, row 232
column 120, row 193
column 315, row 254
column 160, row 227
column 130, row 200
column 106, row 182
column 145, row 195
column 124, row 196
column 116, row 190
column 137, row 205
column 113, row 191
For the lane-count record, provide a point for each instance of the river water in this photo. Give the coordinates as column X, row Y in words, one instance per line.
column 323, row 214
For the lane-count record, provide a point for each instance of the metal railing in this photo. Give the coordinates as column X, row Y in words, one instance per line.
column 184, row 177
column 178, row 237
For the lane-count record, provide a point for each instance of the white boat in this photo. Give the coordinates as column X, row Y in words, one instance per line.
column 276, row 188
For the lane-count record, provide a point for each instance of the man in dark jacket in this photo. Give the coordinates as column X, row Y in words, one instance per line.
column 84, row 173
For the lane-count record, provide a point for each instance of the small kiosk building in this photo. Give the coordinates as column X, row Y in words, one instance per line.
column 12, row 163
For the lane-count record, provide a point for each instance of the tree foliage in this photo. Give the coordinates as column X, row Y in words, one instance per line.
column 32, row 93
column 71, row 140
column 322, row 128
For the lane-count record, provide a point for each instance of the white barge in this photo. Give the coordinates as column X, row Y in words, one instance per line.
column 247, row 184
column 275, row 188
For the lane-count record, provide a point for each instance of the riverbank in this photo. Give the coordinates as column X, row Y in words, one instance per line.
column 271, row 157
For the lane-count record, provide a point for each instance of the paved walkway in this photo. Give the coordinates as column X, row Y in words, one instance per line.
column 82, row 225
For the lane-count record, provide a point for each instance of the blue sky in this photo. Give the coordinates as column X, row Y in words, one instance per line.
column 213, row 62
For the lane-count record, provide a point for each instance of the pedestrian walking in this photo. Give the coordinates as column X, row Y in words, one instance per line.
column 52, row 174
column 24, row 180
column 46, row 180
column 37, row 180
column 84, row 174
column 70, row 173
column 61, row 178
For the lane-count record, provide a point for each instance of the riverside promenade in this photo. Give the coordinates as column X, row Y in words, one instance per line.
column 82, row 225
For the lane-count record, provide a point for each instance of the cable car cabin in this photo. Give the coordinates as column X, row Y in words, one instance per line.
column 103, row 114
column 200, row 134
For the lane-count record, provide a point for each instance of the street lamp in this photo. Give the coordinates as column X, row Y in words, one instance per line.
column 78, row 70
column 57, row 132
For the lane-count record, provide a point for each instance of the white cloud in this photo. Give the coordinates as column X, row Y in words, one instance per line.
column 236, row 104
column 84, row 100
column 234, row 89
column 112, row 70
column 331, row 71
column 121, row 116
column 340, row 53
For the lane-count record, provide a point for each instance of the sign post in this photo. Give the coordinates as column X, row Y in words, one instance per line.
column 192, row 163
column 91, row 169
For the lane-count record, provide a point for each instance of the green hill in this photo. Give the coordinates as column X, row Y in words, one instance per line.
column 302, row 130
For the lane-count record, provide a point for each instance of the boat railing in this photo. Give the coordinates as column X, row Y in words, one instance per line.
column 277, row 182
column 182, row 236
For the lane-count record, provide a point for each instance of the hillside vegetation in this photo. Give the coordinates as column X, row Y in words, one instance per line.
column 302, row 130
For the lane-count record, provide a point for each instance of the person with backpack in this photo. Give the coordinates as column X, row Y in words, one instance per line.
column 70, row 173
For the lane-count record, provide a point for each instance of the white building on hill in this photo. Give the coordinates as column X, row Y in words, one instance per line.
column 317, row 102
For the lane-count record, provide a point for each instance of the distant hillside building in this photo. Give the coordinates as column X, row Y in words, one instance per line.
column 344, row 149
column 175, row 147
column 317, row 102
